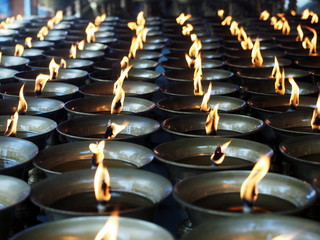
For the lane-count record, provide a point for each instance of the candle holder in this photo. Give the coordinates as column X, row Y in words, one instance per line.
column 124, row 46
column 131, row 88
column 115, row 64
column 237, row 53
column 94, row 128
column 60, row 159
column 93, row 106
column 190, row 105
column 41, row 45
column 17, row 159
column 94, row 46
column 186, row 75
column 245, row 63
column 60, row 91
column 17, row 63
column 186, row 89
column 204, row 54
column 6, row 75
column 33, row 128
column 86, row 228
column 71, row 64
column 230, row 125
column 70, row 76
column 132, row 193
column 263, row 227
column 11, row 200
column 310, row 64
column 81, row 54
column 188, row 157
column 182, row 64
column 183, row 47
column 224, row 188
column 141, row 54
column 29, row 53
column 44, row 107
column 133, row 75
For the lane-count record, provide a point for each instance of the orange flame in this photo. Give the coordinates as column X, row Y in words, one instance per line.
column 19, row 17
column 256, row 57
column 197, row 76
column 140, row 19
column 12, row 123
column 110, row 229
column 294, row 98
column 293, row 13
column 124, row 64
column 234, row 28
column 249, row 188
column 193, row 51
column 279, row 84
column 73, row 51
column 206, row 97
column 90, row 31
column 102, row 186
column 186, row 30
column 123, row 75
column 0, row 56
column 315, row 120
column 273, row 20
column 264, row 15
column 245, row 41
column 99, row 19
column 28, row 42
column 305, row 14
column 314, row 18
column 117, row 102
column 219, row 154
column 3, row 25
column 97, row 150
column 22, row 105
column 44, row 31
column 54, row 69
column 226, row 21
column 63, row 63
column 300, row 33
column 276, row 67
column 286, row 27
column 182, row 18
column 212, row 121
column 114, row 129
column 221, row 13
column 311, row 44
column 18, row 50
column 40, row 83
column 81, row 44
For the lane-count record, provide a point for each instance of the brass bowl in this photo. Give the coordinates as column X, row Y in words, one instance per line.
column 71, row 76
column 13, row 191
column 301, row 156
column 82, row 54
column 131, row 88
column 186, row 75
column 77, row 156
column 33, row 128
column 6, row 75
column 93, row 128
column 230, row 125
column 93, row 106
column 55, row 90
column 71, row 63
column 262, row 107
column 16, row 156
column 44, row 107
column 133, row 75
column 115, row 64
column 224, row 188
column 128, row 185
column 186, row 88
column 86, row 228
column 190, row 105
column 188, row 157
column 256, row 227
column 17, row 63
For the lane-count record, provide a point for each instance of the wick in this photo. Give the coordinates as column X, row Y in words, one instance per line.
column 102, row 205
column 217, row 155
column 291, row 108
column 247, row 206
column 118, row 105
column 94, row 163
column 109, row 132
column 214, row 132
column 37, row 93
column 316, row 122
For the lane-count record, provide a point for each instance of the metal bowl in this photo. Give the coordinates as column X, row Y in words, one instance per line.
column 29, row 53
column 279, row 194
column 141, row 54
column 92, row 106
column 256, row 227
column 131, row 88
column 182, row 64
column 125, row 46
column 17, row 63
column 115, row 64
column 181, row 46
column 82, row 54
column 76, row 156
column 55, row 90
column 230, row 125
column 44, row 107
column 236, row 53
column 187, row 157
column 133, row 75
column 16, row 156
column 309, row 63
column 9, row 200
column 93, row 128
column 301, row 156
column 6, row 75
column 33, row 128
column 204, row 54
column 72, row 76
column 88, row 227
column 243, row 63
column 186, row 75
column 186, row 89
column 190, row 105
column 139, row 184
column 71, row 63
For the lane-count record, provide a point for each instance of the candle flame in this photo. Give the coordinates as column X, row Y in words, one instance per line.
column 118, row 100
column 294, row 98
column 234, row 28
column 0, row 56
column 300, row 33
column 102, row 186
column 245, row 41
column 22, row 105
column 279, row 84
column 63, row 63
column 307, row 13
column 293, row 13
column 315, row 120
column 273, row 20
column 314, row 18
column 197, row 76
column 256, row 57
column 44, row 31
column 123, row 75
column 194, row 50
column 226, row 21
column 81, row 44
column 110, row 229
column 18, row 50
column 28, row 42
column 220, row 13
column 249, row 188
column 40, row 83
column 114, row 129
column 73, row 51
column 219, row 154
column 53, row 69
column 212, row 121
column 99, row 19
column 286, row 27
column 182, row 18
column 206, row 97
column 311, row 44
column 97, row 150
column 90, row 31
column 12, row 123
column 19, row 17
column 264, row 15
column 55, row 20
column 186, row 30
